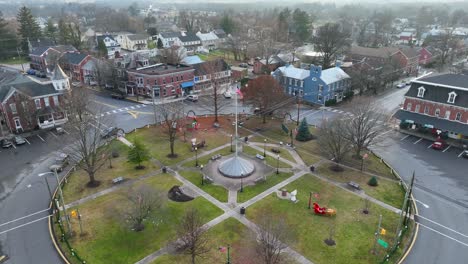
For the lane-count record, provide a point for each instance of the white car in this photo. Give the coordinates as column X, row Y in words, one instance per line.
column 192, row 98
column 93, row 83
column 227, row 95
column 76, row 84
column 401, row 85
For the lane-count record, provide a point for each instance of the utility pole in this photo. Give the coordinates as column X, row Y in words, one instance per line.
column 403, row 209
column 19, row 55
column 377, row 236
column 298, row 107
column 63, row 203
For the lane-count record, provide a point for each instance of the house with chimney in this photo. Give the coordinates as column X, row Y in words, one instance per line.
column 72, row 63
column 27, row 104
column 43, row 58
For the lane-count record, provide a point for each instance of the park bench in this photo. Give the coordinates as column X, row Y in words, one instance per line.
column 207, row 178
column 260, row 157
column 216, row 157
column 354, row 185
column 117, row 180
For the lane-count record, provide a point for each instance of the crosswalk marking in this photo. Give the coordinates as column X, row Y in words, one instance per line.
column 132, row 107
column 114, row 111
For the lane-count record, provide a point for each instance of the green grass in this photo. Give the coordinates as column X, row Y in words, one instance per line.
column 308, row 158
column 227, row 232
column 108, row 240
column 14, row 60
column 387, row 191
column 354, row 231
column 158, row 143
column 207, row 158
column 75, row 188
column 218, row 192
column 272, row 161
column 253, row 190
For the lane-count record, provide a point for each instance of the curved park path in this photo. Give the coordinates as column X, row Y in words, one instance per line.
column 232, row 208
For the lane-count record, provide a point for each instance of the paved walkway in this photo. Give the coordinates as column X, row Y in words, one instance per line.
column 232, row 198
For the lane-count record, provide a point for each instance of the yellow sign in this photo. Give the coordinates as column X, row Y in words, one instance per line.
column 74, row 214
column 383, row 231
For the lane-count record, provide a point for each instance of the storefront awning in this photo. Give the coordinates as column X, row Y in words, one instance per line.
column 440, row 123
column 187, row 84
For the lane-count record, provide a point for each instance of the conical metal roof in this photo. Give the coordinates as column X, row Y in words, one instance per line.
column 236, row 167
column 58, row 73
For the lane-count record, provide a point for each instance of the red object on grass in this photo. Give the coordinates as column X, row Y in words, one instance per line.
column 319, row 210
column 222, row 249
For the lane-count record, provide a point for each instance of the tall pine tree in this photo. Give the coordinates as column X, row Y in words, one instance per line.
column 7, row 40
column 51, row 31
column 303, row 133
column 28, row 28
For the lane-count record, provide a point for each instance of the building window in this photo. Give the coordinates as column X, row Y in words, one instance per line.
column 47, row 101
column 172, row 79
column 447, row 114
column 416, row 109
column 451, row 98
column 290, row 81
column 437, row 112
column 320, row 88
column 302, row 84
column 426, row 110
column 408, row 107
column 56, row 101
column 458, row 116
column 164, row 81
column 38, row 103
column 177, row 78
column 421, row 91
column 295, row 82
column 319, row 98
column 156, row 82
column 17, row 123
column 13, row 108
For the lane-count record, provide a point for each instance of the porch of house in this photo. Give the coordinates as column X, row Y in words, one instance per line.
column 51, row 118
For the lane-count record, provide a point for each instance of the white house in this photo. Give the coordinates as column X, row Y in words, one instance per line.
column 208, row 40
column 134, row 42
column 111, row 44
column 190, row 41
column 170, row 39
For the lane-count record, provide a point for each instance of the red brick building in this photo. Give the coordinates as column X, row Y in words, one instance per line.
column 28, row 105
column 438, row 102
column 44, row 58
column 164, row 80
column 73, row 63
column 409, row 60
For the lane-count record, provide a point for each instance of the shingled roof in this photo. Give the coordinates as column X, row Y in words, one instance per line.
column 74, row 58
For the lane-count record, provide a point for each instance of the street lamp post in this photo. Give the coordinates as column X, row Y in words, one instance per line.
column 242, row 183
column 228, row 255
column 201, row 169
column 231, row 144
column 264, row 148
column 277, row 164
column 59, row 186
column 196, row 157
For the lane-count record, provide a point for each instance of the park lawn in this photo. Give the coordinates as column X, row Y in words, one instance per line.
column 230, row 231
column 14, row 60
column 109, row 241
column 253, row 190
column 207, row 158
column 272, row 161
column 308, row 158
column 158, row 143
column 218, row 192
column 388, row 191
column 353, row 231
column 75, row 188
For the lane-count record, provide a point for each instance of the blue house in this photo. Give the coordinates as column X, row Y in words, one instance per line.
column 314, row 85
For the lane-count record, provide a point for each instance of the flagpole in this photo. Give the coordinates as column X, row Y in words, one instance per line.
column 236, row 116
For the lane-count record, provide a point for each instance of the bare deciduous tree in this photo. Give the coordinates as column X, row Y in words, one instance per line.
column 330, row 41
column 172, row 55
column 187, row 20
column 266, row 94
column 89, row 150
column 367, row 124
column 332, row 140
column 271, row 239
column 141, row 204
column 192, row 237
column 171, row 114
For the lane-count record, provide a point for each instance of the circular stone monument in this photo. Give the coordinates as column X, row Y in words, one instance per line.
column 236, row 167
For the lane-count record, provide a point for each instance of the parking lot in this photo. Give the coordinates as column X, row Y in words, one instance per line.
column 421, row 143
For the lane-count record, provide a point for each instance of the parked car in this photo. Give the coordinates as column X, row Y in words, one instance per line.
column 243, row 65
column 110, row 131
column 76, row 84
column 41, row 74
column 61, row 161
column 227, row 95
column 438, row 145
column 119, row 96
column 19, row 140
column 109, row 86
column 465, row 154
column 6, row 143
column 31, row 72
column 93, row 83
column 401, row 85
column 192, row 98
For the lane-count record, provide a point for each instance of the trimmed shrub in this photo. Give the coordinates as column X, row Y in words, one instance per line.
column 330, row 102
column 373, row 181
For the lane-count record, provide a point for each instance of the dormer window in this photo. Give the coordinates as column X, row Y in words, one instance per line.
column 451, row 98
column 421, row 91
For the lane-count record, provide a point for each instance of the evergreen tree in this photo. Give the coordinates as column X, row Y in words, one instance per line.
column 28, row 28
column 227, row 24
column 303, row 133
column 301, row 24
column 102, row 49
column 138, row 154
column 160, row 44
column 7, row 40
column 51, row 31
